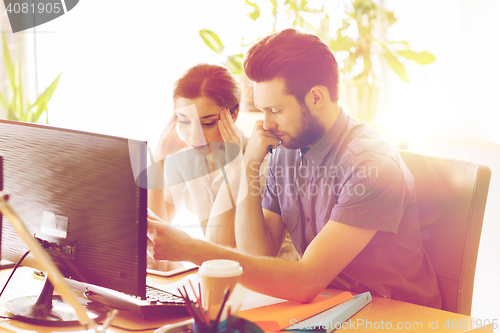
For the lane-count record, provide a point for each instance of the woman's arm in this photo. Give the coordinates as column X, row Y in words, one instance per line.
column 159, row 196
column 219, row 228
column 159, row 201
column 156, row 182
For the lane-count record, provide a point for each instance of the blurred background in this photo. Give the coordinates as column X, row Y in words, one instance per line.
column 425, row 73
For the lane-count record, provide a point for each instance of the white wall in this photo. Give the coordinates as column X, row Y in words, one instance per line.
column 450, row 107
column 456, row 95
column 119, row 60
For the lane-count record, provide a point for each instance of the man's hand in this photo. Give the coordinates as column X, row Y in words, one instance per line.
column 166, row 242
column 258, row 144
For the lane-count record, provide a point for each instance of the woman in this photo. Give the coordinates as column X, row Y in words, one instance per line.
column 202, row 164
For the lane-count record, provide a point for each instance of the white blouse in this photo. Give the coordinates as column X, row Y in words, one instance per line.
column 195, row 178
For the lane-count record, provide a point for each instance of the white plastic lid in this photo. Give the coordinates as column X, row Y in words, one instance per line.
column 220, row 268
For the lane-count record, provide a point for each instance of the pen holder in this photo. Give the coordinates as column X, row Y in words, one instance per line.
column 231, row 325
column 202, row 328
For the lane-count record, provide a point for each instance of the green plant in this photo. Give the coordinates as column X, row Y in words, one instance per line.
column 17, row 108
column 358, row 41
column 368, row 43
column 234, row 61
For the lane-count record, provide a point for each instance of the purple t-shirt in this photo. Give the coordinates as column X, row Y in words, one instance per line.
column 353, row 176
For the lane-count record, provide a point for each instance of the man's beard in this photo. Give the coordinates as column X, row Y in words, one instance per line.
column 310, row 131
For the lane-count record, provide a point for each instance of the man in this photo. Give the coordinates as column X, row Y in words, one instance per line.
column 343, row 194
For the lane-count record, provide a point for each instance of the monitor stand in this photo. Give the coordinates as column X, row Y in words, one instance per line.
column 51, row 310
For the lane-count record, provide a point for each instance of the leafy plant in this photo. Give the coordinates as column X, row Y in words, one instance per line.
column 16, row 108
column 233, row 62
column 365, row 46
column 358, row 44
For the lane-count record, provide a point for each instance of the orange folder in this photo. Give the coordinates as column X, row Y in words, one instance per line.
column 276, row 317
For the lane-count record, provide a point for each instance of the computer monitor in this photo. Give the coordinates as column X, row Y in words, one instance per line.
column 79, row 194
column 1, row 189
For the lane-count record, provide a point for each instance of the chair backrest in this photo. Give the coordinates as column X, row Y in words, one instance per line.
column 451, row 197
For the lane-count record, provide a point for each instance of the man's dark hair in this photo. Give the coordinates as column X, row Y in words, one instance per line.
column 302, row 60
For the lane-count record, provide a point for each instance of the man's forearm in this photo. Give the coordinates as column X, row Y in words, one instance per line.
column 251, row 232
column 280, row 278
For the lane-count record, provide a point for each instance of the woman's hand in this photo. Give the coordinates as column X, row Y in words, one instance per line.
column 169, row 143
column 228, row 129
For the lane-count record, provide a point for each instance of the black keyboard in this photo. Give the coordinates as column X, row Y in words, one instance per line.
column 160, row 302
column 157, row 303
column 155, row 296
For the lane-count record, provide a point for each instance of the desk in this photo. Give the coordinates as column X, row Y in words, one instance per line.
column 24, row 283
column 381, row 314
column 395, row 314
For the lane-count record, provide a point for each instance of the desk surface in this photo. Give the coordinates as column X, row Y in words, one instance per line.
column 380, row 314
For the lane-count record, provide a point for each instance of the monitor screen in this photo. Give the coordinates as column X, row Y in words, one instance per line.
column 1, row 189
column 78, row 194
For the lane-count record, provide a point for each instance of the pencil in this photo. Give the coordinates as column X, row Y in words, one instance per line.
column 199, row 289
column 226, row 296
column 188, row 308
column 194, row 292
column 193, row 309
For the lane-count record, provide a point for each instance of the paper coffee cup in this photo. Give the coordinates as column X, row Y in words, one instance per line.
column 216, row 277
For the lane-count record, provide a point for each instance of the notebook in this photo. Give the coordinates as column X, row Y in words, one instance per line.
column 279, row 316
column 333, row 318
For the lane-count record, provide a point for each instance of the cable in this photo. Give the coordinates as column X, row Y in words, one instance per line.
column 114, row 326
column 13, row 271
column 13, row 318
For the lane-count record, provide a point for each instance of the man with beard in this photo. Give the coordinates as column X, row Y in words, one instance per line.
column 343, row 193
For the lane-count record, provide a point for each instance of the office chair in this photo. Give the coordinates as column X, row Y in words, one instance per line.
column 451, row 197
